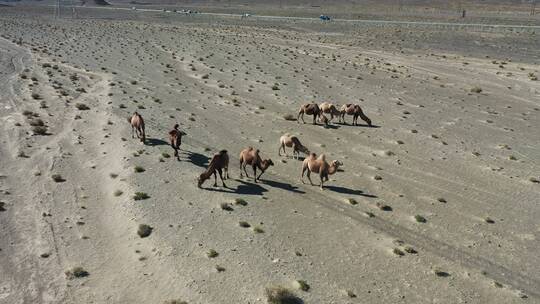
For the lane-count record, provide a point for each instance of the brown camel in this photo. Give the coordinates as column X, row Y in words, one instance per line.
column 329, row 108
column 291, row 141
column 175, row 139
column 319, row 165
column 219, row 164
column 355, row 111
column 250, row 156
column 137, row 126
column 309, row 109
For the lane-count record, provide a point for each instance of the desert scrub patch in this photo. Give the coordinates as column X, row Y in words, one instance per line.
column 398, row 252
column 420, row 219
column 57, row 178
column 140, row 196
column 220, row 268
column 352, row 201
column 301, row 284
column 165, row 155
column 476, row 89
column 113, row 175
column 239, row 201
column 118, row 192
column 175, row 302
column 39, row 130
column 76, row 272
column 258, row 229
column 226, row 206
column 139, row 169
column 212, row 253
column 81, row 106
column 36, row 122
column 440, row 273
column 144, row 230
column 383, row 206
column 244, row 224
column 281, row 295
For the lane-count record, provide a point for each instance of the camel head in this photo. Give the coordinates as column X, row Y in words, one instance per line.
column 267, row 163
column 336, row 164
column 176, row 126
column 201, row 179
column 304, row 150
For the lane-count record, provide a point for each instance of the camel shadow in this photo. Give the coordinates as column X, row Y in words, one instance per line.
column 219, row 189
column 284, row 186
column 361, row 125
column 344, row 190
column 332, row 127
column 155, row 142
column 198, row 159
column 248, row 188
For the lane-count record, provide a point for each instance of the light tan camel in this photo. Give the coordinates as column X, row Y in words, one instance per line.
column 309, row 109
column 329, row 108
column 219, row 164
column 137, row 126
column 250, row 156
column 355, row 111
column 319, row 165
column 291, row 141
column 175, row 139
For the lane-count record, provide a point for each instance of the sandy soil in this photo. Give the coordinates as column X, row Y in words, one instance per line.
column 455, row 143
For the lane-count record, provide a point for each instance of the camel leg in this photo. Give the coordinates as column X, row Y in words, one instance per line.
column 303, row 171
column 221, row 176
column 315, row 119
column 308, row 174
column 241, row 163
column 300, row 116
column 215, row 179
column 259, row 177
column 244, row 168
column 322, row 180
column 132, row 130
column 255, row 173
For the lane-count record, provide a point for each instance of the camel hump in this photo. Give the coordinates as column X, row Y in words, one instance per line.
column 176, row 126
column 322, row 157
column 172, row 132
column 250, row 148
column 222, row 152
column 313, row 155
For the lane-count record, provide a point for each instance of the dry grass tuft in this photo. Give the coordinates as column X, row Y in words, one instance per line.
column 281, row 295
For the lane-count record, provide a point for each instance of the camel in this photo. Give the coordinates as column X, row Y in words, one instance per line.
column 291, row 141
column 355, row 111
column 309, row 109
column 219, row 163
column 175, row 139
column 250, row 156
column 319, row 165
column 329, row 108
column 137, row 126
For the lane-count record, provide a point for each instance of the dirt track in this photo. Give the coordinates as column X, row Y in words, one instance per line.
column 455, row 142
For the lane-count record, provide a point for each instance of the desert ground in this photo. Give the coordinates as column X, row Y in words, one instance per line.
column 438, row 202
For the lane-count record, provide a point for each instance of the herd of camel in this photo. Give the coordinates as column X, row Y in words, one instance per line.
column 219, row 164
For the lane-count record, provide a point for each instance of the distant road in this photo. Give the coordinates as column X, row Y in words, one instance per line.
column 365, row 21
